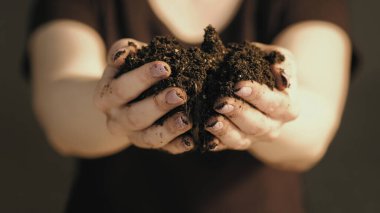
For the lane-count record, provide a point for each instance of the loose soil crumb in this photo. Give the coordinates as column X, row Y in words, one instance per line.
column 206, row 74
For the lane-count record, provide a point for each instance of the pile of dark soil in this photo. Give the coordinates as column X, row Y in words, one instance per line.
column 206, row 74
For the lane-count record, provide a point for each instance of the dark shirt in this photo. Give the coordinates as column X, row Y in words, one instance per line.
column 137, row 180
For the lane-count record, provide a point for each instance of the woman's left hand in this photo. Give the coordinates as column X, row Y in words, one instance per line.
column 263, row 112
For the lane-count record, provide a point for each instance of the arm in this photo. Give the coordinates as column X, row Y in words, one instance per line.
column 272, row 131
column 68, row 59
column 322, row 52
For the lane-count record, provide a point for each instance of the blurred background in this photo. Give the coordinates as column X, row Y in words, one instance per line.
column 33, row 178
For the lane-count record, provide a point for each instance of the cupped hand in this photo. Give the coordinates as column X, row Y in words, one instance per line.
column 136, row 120
column 261, row 113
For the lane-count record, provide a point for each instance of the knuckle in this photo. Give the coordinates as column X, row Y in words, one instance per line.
column 220, row 133
column 149, row 139
column 101, row 92
column 274, row 106
column 259, row 126
column 118, row 90
column 271, row 108
column 282, row 102
column 146, row 141
column 292, row 113
column 160, row 103
column 273, row 135
column 133, row 123
column 254, row 130
column 242, row 144
column 114, row 127
column 99, row 103
column 132, row 120
column 144, row 75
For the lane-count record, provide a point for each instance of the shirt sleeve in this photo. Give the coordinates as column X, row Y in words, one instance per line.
column 44, row 11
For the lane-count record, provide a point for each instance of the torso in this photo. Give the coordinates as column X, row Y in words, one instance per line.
column 186, row 19
column 139, row 180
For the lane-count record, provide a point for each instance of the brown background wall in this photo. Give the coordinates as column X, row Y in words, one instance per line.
column 35, row 179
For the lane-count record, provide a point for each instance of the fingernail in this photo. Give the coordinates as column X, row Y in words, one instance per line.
column 187, row 141
column 181, row 122
column 212, row 145
column 132, row 44
column 119, row 53
column 282, row 82
column 244, row 91
column 159, row 70
column 174, row 97
column 215, row 125
column 224, row 108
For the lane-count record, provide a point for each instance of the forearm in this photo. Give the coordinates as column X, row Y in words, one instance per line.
column 322, row 52
column 302, row 142
column 72, row 123
column 67, row 60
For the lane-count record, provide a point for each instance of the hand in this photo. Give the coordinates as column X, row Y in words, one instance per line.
column 239, row 125
column 134, row 120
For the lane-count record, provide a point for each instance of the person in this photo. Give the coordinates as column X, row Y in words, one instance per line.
column 124, row 167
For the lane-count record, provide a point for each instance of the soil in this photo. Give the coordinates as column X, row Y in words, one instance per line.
column 206, row 73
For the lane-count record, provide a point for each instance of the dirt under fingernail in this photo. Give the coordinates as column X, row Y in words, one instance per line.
column 211, row 124
column 187, row 141
column 118, row 54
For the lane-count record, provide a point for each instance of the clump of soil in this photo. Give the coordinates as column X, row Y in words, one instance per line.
column 206, row 73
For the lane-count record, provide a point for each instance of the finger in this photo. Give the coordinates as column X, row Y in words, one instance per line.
column 103, row 88
column 249, row 120
column 120, row 50
column 215, row 145
column 275, row 104
column 284, row 71
column 144, row 113
column 131, row 84
column 179, row 145
column 228, row 133
column 158, row 136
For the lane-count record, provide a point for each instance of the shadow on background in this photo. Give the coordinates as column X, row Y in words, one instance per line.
column 33, row 178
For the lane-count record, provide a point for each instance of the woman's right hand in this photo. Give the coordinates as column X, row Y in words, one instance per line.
column 136, row 120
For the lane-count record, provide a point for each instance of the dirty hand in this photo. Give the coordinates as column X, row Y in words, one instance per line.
column 262, row 113
column 134, row 120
